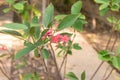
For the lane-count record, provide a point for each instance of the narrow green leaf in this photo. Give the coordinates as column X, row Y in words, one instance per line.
column 67, row 21
column 45, row 53
column 19, row 6
column 24, row 51
column 11, row 32
column 83, row 76
column 76, row 7
column 71, row 76
column 76, row 46
column 48, row 15
column 16, row 26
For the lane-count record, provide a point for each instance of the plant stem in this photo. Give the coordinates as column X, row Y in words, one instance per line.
column 62, row 62
column 109, row 74
column 97, row 70
column 65, row 67
column 53, row 54
column 105, row 72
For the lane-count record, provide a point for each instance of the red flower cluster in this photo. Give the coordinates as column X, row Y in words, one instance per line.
column 58, row 38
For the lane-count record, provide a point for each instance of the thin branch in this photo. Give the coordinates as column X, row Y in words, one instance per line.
column 96, row 70
column 109, row 74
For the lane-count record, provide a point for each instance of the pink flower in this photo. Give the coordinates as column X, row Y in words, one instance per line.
column 49, row 32
column 44, row 37
column 65, row 38
column 56, row 38
column 3, row 47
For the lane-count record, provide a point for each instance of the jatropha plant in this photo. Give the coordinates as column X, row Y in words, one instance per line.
column 39, row 39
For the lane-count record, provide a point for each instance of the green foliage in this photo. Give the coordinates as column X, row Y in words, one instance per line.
column 76, row 46
column 6, row 10
column 10, row 1
column 76, row 7
column 71, row 76
column 15, row 26
column 37, row 37
column 19, row 6
column 67, row 21
column 83, row 75
column 24, row 51
column 59, row 17
column 104, row 55
column 116, row 62
column 106, row 5
column 11, row 32
column 45, row 53
column 48, row 15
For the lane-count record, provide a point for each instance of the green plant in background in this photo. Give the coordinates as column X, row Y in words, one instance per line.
column 39, row 37
column 106, row 6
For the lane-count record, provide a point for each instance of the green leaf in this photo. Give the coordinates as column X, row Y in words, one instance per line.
column 36, row 53
column 103, row 6
column 117, row 25
column 69, row 52
column 19, row 6
column 35, row 76
column 16, row 26
column 101, row 1
column 11, row 32
column 78, row 25
column 35, row 22
column 6, row 10
column 115, row 7
column 66, row 33
column 71, row 76
column 27, row 76
column 48, row 15
column 81, row 16
column 36, row 12
column 104, row 11
column 112, row 20
column 118, row 50
column 104, row 55
column 76, row 7
column 76, row 46
column 67, row 21
column 115, row 1
column 24, row 51
column 83, row 76
column 45, row 53
column 116, row 62
column 10, row 1
column 59, row 17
